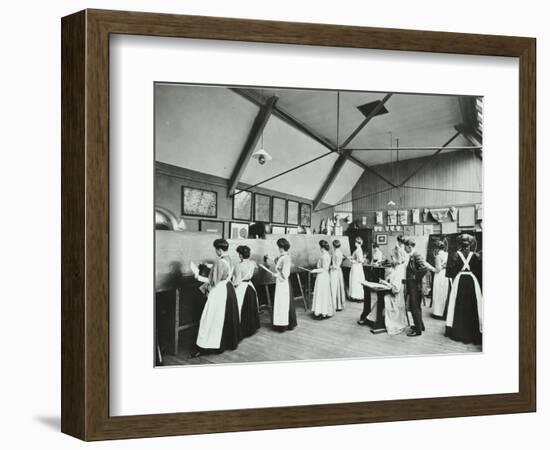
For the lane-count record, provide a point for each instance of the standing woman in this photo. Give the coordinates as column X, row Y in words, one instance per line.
column 247, row 298
column 219, row 325
column 465, row 312
column 337, row 286
column 284, row 312
column 440, row 290
column 356, row 274
column 395, row 314
column 322, row 306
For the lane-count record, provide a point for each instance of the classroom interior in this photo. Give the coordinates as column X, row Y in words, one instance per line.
column 252, row 165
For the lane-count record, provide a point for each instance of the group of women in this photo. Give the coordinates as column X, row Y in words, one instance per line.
column 231, row 312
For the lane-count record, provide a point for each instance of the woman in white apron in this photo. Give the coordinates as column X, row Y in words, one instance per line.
column 322, row 305
column 284, row 311
column 395, row 314
column 465, row 311
column 247, row 298
column 356, row 273
column 219, row 325
column 337, row 287
column 441, row 283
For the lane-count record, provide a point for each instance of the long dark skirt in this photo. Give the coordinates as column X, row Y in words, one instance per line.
column 231, row 332
column 466, row 320
column 250, row 315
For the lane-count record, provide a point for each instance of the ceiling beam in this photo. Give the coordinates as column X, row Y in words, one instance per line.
column 367, row 119
column 253, row 136
column 468, row 135
column 421, row 149
column 336, row 168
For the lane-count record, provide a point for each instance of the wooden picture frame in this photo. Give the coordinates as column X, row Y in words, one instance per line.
column 305, row 214
column 262, row 216
column 186, row 209
column 85, row 229
column 278, row 214
column 247, row 216
column 292, row 212
column 239, row 227
column 219, row 225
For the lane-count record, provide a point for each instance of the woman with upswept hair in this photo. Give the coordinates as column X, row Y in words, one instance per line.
column 247, row 297
column 465, row 311
column 322, row 305
column 337, row 287
column 356, row 273
column 441, row 283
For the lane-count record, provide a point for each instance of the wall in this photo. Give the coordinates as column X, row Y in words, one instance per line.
column 459, row 170
column 169, row 180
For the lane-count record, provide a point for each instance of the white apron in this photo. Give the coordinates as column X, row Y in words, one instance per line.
column 241, row 291
column 213, row 316
column 454, row 290
column 281, row 304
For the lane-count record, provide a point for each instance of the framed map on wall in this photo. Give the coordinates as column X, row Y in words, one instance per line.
column 278, row 210
column 198, row 202
column 262, row 208
column 305, row 215
column 242, row 205
column 292, row 212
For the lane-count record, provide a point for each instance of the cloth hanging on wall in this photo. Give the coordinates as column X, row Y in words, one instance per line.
column 479, row 212
column 402, row 217
column 454, row 213
column 415, row 216
column 425, row 214
column 379, row 218
column 392, row 217
column 440, row 214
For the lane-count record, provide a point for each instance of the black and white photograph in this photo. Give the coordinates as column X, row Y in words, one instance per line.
column 269, row 202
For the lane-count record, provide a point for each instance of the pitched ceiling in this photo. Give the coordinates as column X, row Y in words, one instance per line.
column 204, row 128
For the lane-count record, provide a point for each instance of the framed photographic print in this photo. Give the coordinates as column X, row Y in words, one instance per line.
column 198, row 202
column 279, row 210
column 382, row 239
column 212, row 226
column 139, row 91
column 239, row 230
column 242, row 205
column 292, row 212
column 291, row 230
column 262, row 208
column 305, row 215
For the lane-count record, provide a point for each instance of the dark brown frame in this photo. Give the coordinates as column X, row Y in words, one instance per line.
column 183, row 213
column 273, row 215
column 85, row 230
column 245, row 219
column 256, row 194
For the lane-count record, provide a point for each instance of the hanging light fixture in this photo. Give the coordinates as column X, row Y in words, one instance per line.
column 261, row 154
column 391, row 202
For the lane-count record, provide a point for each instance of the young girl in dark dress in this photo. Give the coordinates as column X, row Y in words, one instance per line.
column 465, row 311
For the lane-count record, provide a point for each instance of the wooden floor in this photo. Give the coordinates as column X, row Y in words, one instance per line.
column 337, row 337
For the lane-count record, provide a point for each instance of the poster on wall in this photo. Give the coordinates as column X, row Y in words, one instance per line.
column 278, row 210
column 415, row 216
column 262, row 208
column 402, row 217
column 239, row 230
column 379, row 218
column 242, row 205
column 305, row 215
column 292, row 212
column 199, row 202
column 392, row 217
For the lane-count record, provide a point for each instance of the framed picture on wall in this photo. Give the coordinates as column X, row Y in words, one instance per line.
column 242, row 205
column 292, row 212
column 198, row 202
column 262, row 208
column 278, row 210
column 212, row 226
column 305, row 214
column 291, row 230
column 238, row 230
column 276, row 229
column 382, row 239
